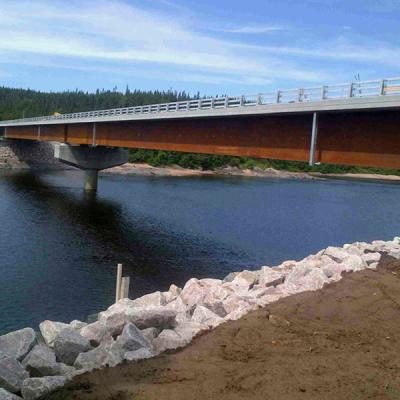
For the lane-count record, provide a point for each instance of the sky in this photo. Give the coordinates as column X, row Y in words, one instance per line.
column 211, row 46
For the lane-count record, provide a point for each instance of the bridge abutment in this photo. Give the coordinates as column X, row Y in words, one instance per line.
column 91, row 160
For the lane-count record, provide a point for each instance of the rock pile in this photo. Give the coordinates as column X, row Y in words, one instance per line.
column 33, row 364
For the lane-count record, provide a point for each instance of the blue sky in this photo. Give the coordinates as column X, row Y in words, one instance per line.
column 211, row 46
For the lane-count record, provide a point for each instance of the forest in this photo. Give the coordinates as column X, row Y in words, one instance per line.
column 20, row 103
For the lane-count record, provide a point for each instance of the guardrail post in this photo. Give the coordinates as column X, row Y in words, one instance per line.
column 259, row 99
column 382, row 87
column 351, row 90
column 278, row 96
column 226, row 102
column 241, row 101
column 314, row 134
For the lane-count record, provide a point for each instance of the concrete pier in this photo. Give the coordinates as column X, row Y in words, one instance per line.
column 91, row 160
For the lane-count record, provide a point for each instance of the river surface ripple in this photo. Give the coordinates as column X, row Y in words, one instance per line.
column 59, row 246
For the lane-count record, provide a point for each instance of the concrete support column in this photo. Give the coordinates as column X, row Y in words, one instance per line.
column 91, row 179
column 91, row 160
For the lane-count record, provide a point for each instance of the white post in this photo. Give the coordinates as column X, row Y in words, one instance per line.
column 125, row 287
column 118, row 286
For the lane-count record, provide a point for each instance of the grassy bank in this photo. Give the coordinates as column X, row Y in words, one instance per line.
column 212, row 162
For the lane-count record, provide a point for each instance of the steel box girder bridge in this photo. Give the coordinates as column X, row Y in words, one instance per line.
column 356, row 123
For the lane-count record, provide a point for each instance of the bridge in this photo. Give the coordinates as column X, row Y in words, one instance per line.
column 355, row 123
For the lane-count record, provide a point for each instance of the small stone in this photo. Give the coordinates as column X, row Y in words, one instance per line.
column 5, row 395
column 12, row 374
column 41, row 361
column 50, row 329
column 68, row 344
column 278, row 321
column 33, row 388
column 17, row 344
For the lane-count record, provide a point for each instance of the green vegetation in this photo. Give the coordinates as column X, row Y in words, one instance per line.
column 18, row 103
column 211, row 162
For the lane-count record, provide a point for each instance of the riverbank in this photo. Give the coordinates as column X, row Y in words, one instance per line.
column 143, row 169
column 337, row 343
column 35, row 364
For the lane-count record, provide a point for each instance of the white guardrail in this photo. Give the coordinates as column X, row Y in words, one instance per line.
column 382, row 87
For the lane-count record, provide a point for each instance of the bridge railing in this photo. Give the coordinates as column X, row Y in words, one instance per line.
column 382, row 87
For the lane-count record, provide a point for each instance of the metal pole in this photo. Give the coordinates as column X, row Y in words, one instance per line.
column 94, row 135
column 314, row 134
column 118, row 286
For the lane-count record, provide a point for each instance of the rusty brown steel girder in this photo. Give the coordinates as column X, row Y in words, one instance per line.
column 369, row 138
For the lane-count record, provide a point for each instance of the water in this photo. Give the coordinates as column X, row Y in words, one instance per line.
column 59, row 246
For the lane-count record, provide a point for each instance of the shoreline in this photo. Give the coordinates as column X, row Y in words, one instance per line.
column 159, row 322
column 143, row 169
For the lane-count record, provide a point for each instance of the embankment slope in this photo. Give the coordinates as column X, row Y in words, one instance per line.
column 341, row 342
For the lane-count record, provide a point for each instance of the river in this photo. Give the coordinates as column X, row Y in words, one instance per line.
column 59, row 247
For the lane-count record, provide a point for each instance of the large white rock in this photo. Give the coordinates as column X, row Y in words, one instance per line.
column 245, row 280
column 33, row 388
column 303, row 278
column 41, row 361
column 205, row 316
column 168, row 339
column 96, row 332
column 333, row 271
column 354, row 263
column 17, row 344
column 77, row 325
column 5, row 395
column 132, row 339
column 270, row 277
column 50, row 329
column 235, row 303
column 68, row 344
column 105, row 355
column 190, row 329
column 12, row 374
column 336, row 254
column 139, row 354
column 158, row 317
column 194, row 292
column 155, row 299
column 370, row 258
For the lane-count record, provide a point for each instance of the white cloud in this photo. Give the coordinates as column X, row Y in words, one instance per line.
column 252, row 29
column 117, row 37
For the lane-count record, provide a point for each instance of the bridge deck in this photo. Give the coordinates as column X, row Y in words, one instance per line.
column 360, row 128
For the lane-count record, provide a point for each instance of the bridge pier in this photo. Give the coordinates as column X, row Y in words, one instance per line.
column 91, row 160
